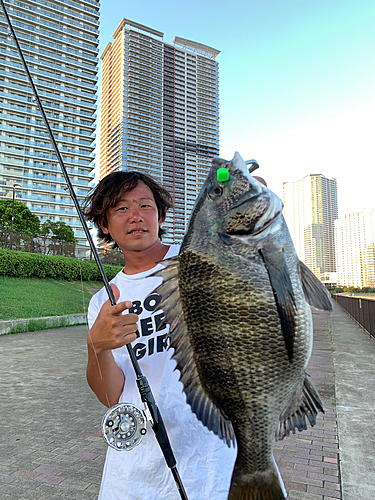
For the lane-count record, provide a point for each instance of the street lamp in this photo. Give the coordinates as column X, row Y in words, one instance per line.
column 15, row 186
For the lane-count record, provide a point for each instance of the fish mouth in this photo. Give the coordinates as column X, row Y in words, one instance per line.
column 254, row 230
column 245, row 201
column 266, row 208
column 268, row 223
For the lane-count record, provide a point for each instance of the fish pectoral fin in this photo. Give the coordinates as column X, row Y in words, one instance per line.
column 283, row 292
column 316, row 294
column 305, row 403
column 201, row 404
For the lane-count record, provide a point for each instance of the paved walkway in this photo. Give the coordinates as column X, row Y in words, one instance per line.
column 51, row 447
column 354, row 362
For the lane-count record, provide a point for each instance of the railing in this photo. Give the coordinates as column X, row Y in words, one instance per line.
column 47, row 245
column 38, row 244
column 362, row 310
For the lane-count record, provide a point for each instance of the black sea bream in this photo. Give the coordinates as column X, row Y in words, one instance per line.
column 241, row 328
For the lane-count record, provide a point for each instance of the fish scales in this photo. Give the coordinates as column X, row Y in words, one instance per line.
column 236, row 335
column 244, row 336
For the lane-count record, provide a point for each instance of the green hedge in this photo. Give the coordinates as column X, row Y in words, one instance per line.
column 34, row 265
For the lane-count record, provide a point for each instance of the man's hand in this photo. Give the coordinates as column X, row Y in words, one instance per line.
column 112, row 329
column 260, row 179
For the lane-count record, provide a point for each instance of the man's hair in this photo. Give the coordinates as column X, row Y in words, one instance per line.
column 110, row 190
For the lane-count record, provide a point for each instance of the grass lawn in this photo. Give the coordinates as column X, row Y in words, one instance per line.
column 35, row 298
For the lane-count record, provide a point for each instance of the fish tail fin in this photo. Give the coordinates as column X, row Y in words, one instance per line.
column 257, row 486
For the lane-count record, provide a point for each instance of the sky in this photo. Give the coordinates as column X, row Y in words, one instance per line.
column 297, row 82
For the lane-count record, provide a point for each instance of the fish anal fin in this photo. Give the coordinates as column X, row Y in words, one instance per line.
column 283, row 292
column 316, row 294
column 304, row 404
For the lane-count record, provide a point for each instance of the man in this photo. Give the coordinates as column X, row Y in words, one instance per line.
column 129, row 209
column 34, row 245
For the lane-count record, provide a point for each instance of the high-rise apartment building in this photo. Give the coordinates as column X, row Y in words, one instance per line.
column 160, row 113
column 355, row 249
column 59, row 39
column 310, row 209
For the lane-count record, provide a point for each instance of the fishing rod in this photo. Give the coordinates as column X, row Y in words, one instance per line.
column 124, row 424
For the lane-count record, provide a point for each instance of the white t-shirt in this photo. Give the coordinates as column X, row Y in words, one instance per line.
column 205, row 463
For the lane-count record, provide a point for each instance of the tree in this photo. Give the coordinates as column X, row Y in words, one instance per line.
column 24, row 220
column 60, row 230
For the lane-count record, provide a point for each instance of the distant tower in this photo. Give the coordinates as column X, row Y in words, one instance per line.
column 160, row 113
column 355, row 249
column 310, row 209
column 60, row 44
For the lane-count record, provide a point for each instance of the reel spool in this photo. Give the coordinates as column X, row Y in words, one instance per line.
column 123, row 426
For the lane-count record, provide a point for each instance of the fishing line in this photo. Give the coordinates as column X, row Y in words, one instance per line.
column 88, row 331
column 114, row 423
column 83, row 293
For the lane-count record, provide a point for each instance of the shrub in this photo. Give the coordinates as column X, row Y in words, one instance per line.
column 31, row 265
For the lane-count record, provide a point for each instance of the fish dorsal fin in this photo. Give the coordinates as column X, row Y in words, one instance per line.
column 316, row 294
column 201, row 404
column 305, row 403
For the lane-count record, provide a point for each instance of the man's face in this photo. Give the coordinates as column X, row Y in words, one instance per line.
column 134, row 222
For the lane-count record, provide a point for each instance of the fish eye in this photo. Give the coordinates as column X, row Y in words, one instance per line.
column 215, row 192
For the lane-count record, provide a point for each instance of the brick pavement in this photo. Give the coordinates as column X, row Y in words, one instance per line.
column 51, row 447
column 309, row 461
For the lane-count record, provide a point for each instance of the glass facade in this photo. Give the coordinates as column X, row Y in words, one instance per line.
column 355, row 249
column 160, row 113
column 59, row 40
column 310, row 210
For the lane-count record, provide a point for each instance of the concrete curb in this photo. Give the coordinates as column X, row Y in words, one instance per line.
column 34, row 324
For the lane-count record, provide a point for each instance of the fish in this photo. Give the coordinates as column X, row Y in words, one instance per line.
column 238, row 299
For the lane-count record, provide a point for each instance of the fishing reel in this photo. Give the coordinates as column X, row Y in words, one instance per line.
column 123, row 426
